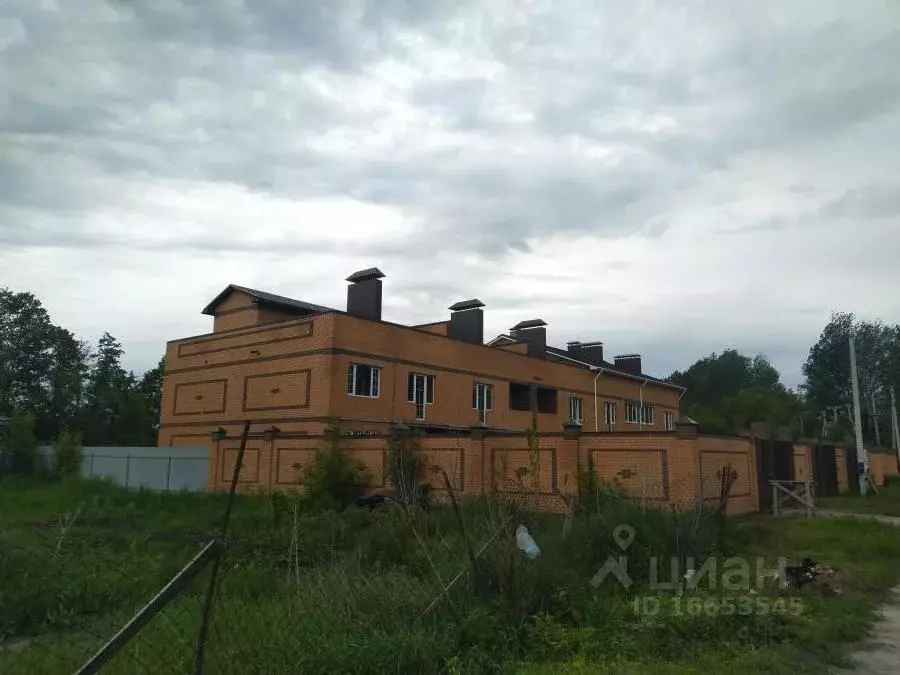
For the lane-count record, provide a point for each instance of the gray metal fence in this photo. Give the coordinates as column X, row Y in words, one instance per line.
column 166, row 469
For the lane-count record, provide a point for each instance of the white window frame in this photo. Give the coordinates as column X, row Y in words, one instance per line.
column 609, row 413
column 424, row 379
column 669, row 420
column 632, row 412
column 576, row 409
column 647, row 414
column 483, row 393
column 374, row 380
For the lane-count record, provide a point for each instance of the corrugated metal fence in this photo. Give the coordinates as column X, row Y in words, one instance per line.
column 152, row 468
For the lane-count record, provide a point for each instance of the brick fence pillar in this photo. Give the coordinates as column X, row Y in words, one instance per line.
column 568, row 460
column 478, row 483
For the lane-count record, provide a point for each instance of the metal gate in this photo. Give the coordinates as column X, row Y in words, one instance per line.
column 825, row 471
column 775, row 461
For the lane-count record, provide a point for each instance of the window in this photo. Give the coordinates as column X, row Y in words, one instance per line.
column 420, row 390
column 576, row 409
column 482, row 400
column 363, row 380
column 647, row 414
column 547, row 401
column 609, row 412
column 519, row 396
column 632, row 412
column 670, row 421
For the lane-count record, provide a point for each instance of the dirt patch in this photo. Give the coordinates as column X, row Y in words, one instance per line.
column 881, row 654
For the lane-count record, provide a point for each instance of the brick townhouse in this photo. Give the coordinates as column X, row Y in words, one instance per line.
column 290, row 366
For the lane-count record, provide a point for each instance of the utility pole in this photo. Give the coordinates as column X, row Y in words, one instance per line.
column 862, row 461
column 874, row 413
column 895, row 427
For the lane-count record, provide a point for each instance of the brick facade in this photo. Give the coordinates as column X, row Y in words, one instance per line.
column 283, row 365
column 265, row 364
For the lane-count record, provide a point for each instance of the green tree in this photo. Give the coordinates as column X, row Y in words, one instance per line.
column 67, row 380
column 133, row 423
column 108, row 385
column 150, row 387
column 730, row 392
column 827, row 372
column 47, row 372
column 26, row 352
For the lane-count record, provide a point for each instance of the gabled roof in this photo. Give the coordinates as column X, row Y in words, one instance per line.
column 567, row 356
column 500, row 339
column 261, row 297
column 610, row 368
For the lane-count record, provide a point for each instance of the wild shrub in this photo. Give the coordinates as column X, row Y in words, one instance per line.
column 405, row 465
column 20, row 444
column 67, row 454
column 332, row 481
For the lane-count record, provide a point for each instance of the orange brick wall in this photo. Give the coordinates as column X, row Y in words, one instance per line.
column 660, row 469
column 882, row 465
column 255, row 373
column 239, row 311
column 293, row 373
column 438, row 328
column 714, row 454
column 516, row 347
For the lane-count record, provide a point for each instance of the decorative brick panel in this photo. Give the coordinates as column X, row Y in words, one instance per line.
column 642, row 472
column 288, row 390
column 202, row 397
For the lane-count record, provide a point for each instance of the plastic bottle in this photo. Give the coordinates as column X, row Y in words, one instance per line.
column 526, row 543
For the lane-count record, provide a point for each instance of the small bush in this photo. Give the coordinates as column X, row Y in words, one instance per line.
column 21, row 445
column 332, row 481
column 892, row 482
column 405, row 466
column 67, row 454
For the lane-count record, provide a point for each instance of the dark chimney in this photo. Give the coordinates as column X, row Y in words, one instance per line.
column 467, row 321
column 589, row 352
column 532, row 332
column 364, row 294
column 629, row 363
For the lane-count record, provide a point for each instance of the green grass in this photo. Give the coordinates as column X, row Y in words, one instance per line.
column 350, row 595
column 886, row 502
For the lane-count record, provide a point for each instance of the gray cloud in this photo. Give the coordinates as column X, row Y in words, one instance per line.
column 486, row 131
column 872, row 201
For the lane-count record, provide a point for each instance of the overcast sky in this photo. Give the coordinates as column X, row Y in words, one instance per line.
column 671, row 178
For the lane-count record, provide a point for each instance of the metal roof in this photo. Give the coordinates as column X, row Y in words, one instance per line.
column 610, row 368
column 466, row 304
column 266, row 298
column 364, row 275
column 531, row 323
